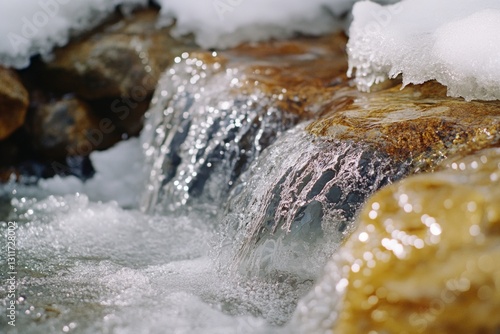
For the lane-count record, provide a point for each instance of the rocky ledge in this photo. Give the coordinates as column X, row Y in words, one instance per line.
column 418, row 123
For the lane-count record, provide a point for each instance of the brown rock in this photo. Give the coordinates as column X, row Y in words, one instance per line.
column 298, row 76
column 68, row 127
column 116, row 67
column 425, row 258
column 8, row 174
column 123, row 58
column 13, row 102
column 418, row 122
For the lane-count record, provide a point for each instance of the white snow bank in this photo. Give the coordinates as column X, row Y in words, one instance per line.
column 224, row 23
column 119, row 176
column 29, row 27
column 456, row 42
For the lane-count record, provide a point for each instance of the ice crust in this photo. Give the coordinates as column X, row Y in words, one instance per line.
column 455, row 42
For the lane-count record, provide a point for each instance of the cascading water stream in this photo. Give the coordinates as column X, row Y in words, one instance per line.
column 213, row 114
column 298, row 201
column 202, row 133
column 241, row 210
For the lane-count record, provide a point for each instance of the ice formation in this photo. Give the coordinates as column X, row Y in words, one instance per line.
column 455, row 42
column 31, row 27
column 223, row 23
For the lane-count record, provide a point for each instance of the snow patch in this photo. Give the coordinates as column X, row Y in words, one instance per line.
column 119, row 176
column 455, row 42
column 225, row 23
column 31, row 27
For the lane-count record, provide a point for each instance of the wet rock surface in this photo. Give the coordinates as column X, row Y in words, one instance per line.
column 116, row 67
column 214, row 113
column 67, row 127
column 424, row 258
column 13, row 102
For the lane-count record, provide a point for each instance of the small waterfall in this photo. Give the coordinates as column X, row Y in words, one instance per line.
column 216, row 138
column 203, row 131
column 222, row 145
column 213, row 114
column 300, row 190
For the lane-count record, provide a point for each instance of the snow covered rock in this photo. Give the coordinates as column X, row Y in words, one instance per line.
column 455, row 42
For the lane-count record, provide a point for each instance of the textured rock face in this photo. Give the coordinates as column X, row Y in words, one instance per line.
column 13, row 102
column 123, row 58
column 67, row 127
column 419, row 122
column 116, row 67
column 425, row 257
column 213, row 114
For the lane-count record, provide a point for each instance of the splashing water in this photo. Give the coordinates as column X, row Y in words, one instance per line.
column 298, row 214
column 91, row 267
column 202, row 132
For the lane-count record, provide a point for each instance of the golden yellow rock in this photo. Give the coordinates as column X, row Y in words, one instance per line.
column 424, row 259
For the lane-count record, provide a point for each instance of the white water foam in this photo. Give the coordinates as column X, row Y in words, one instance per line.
column 87, row 266
column 97, row 268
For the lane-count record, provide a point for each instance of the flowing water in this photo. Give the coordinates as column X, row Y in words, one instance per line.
column 203, row 132
column 237, row 213
column 91, row 267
